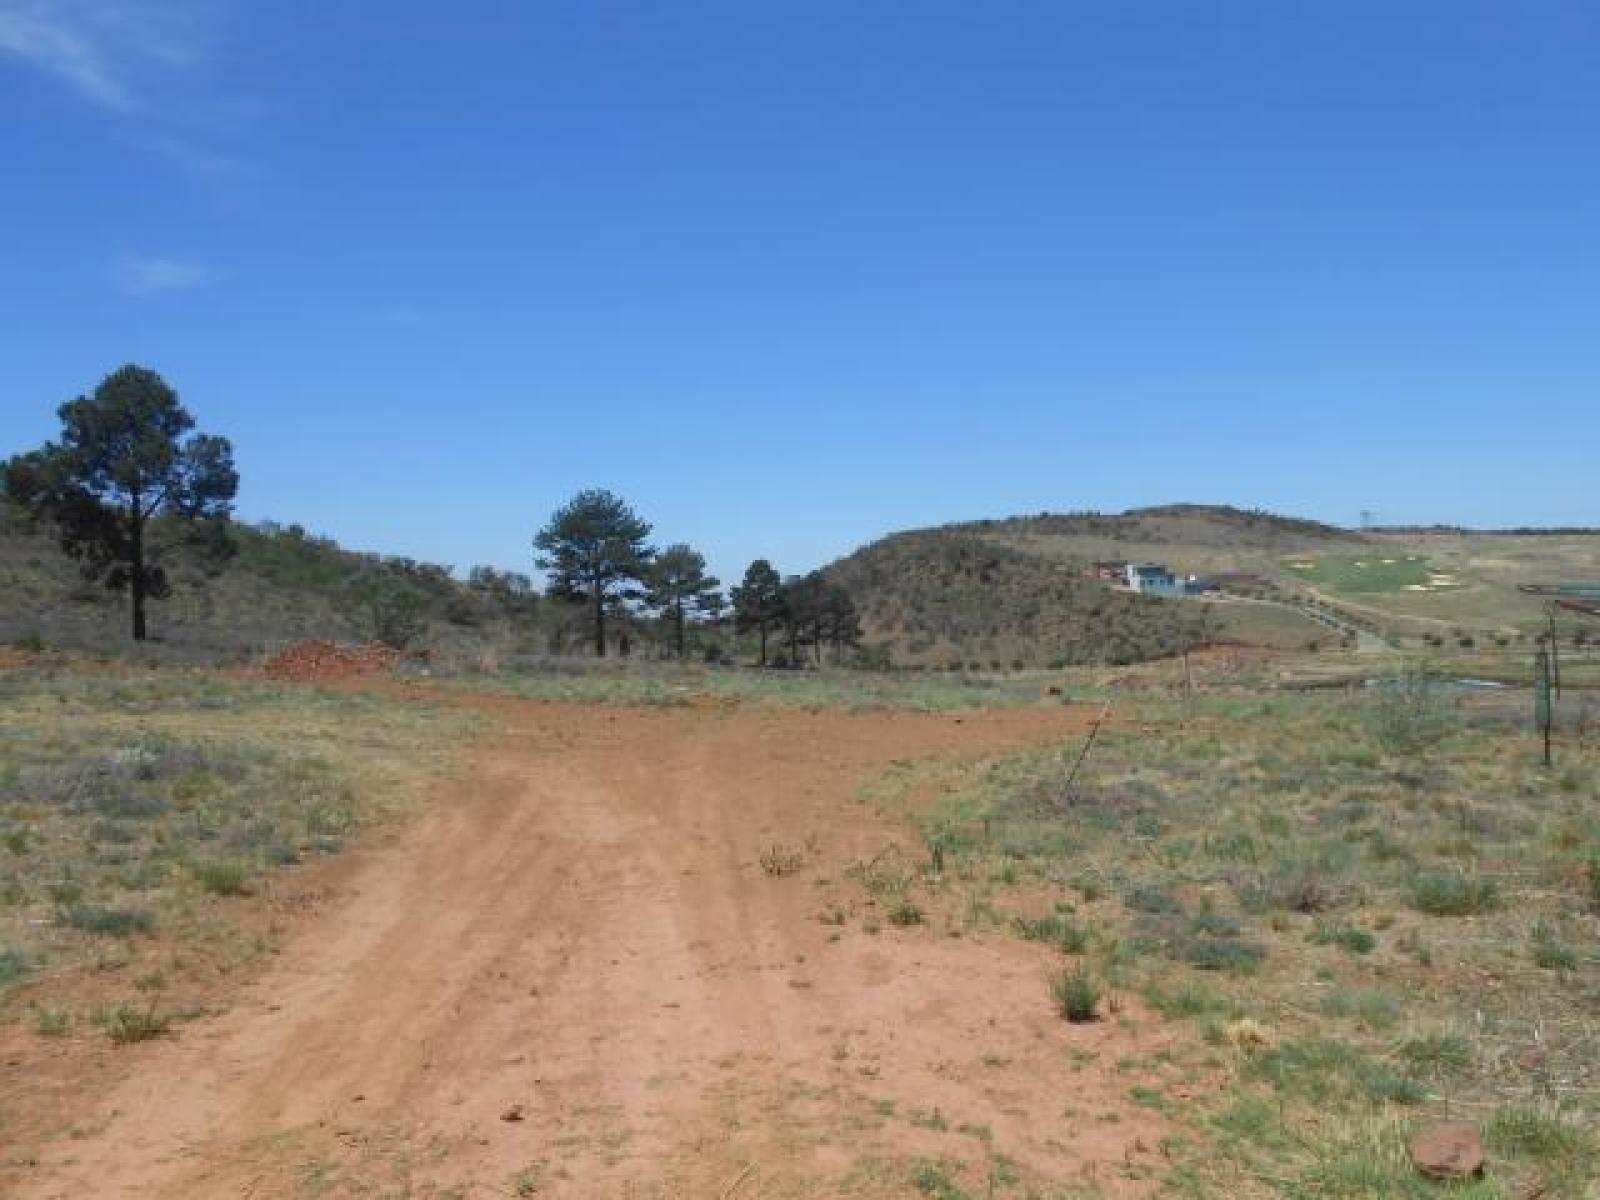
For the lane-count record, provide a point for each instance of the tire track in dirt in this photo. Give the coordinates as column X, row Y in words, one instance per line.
column 579, row 936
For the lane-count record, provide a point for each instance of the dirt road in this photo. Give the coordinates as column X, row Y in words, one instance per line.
column 573, row 977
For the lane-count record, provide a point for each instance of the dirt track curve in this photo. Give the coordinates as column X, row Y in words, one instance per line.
column 572, row 977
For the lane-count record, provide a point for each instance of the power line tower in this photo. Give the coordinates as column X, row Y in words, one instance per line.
column 1368, row 518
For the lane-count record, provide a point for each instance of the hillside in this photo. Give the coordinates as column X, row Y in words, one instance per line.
column 281, row 586
column 1015, row 590
column 946, row 597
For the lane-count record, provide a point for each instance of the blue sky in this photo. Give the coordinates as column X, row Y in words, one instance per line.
column 793, row 275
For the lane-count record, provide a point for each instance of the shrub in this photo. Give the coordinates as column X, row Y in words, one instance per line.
column 222, row 878
column 1537, row 1133
column 779, row 861
column 13, row 966
column 1077, row 995
column 126, row 1024
column 51, row 1022
column 905, row 913
column 1411, row 713
column 1357, row 941
column 112, row 922
column 1550, row 952
column 1451, row 894
column 1438, row 1054
column 1058, row 931
column 1219, row 953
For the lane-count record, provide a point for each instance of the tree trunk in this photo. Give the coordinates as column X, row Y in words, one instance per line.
column 678, row 619
column 599, row 621
column 763, row 628
column 136, row 580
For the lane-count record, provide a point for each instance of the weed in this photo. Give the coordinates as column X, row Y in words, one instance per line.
column 905, row 912
column 1436, row 1055
column 1219, row 953
column 223, row 877
column 933, row 1181
column 1550, row 952
column 1452, row 894
column 1348, row 937
column 779, row 861
column 1077, row 994
column 1538, row 1132
column 110, row 922
column 51, row 1021
column 13, row 966
column 1058, row 931
column 126, row 1024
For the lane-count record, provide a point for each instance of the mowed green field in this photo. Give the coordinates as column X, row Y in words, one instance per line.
column 1366, row 575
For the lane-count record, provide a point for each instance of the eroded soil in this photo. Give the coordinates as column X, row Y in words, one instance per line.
column 573, row 977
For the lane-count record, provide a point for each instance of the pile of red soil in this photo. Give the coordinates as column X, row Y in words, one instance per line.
column 305, row 661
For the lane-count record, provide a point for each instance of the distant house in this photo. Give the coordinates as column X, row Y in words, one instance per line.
column 1153, row 579
column 1110, row 571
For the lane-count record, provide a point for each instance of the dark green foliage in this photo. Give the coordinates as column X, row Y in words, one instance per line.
column 128, row 474
column 678, row 587
column 1219, row 953
column 1357, row 941
column 758, row 602
column 1077, row 994
column 13, row 966
column 595, row 550
column 111, row 922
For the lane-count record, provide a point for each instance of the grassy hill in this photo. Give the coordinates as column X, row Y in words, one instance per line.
column 1014, row 589
column 982, row 595
column 281, row 586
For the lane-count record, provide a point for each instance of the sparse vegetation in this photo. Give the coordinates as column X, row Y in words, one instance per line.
column 1077, row 994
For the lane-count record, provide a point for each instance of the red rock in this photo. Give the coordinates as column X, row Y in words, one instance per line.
column 1448, row 1150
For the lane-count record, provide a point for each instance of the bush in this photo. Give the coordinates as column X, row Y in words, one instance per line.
column 1219, row 954
column 112, row 922
column 1058, row 931
column 223, row 878
column 1449, row 894
column 905, row 913
column 1077, row 995
column 1357, row 941
column 1412, row 713
column 13, row 966
column 126, row 1024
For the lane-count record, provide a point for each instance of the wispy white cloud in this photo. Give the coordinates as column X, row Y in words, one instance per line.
column 54, row 38
column 149, row 275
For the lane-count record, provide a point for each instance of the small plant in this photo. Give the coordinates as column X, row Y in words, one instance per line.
column 1538, row 1133
column 127, row 1024
column 779, row 861
column 1438, row 1054
column 1411, row 714
column 905, row 912
column 51, row 1021
column 1591, row 872
column 1077, row 995
column 109, row 922
column 1451, row 894
column 1068, row 936
column 1550, row 952
column 223, row 878
column 13, row 966
column 1357, row 941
